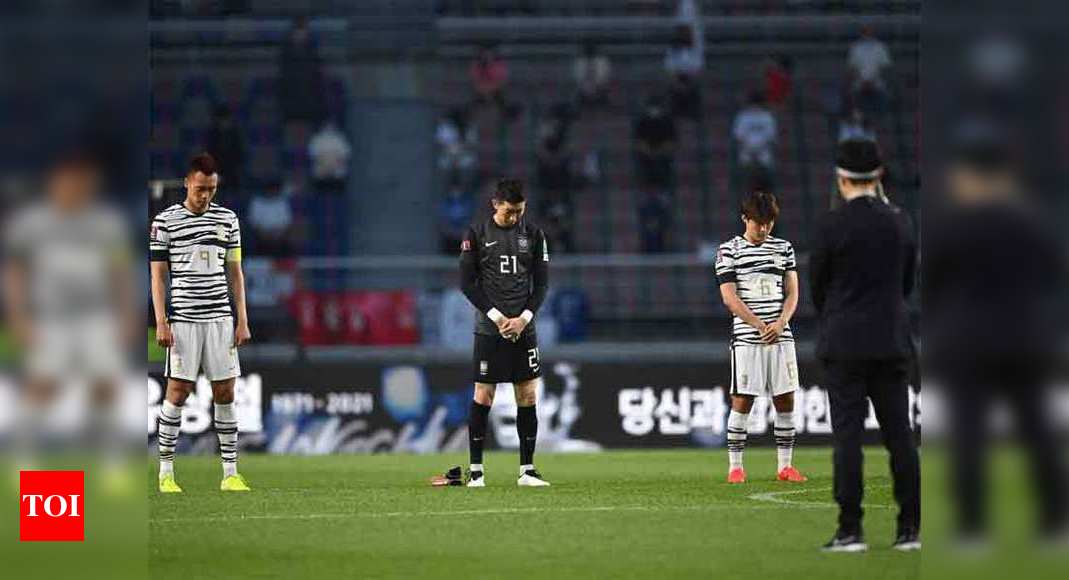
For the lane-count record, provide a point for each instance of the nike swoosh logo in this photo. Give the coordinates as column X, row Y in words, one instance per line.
column 488, row 244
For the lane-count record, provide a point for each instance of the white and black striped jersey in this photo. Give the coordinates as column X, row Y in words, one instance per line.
column 758, row 271
column 196, row 248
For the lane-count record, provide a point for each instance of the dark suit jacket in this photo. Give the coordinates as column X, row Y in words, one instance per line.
column 862, row 269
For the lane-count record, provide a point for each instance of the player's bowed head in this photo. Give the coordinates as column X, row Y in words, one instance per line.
column 202, row 183
column 509, row 202
column 759, row 213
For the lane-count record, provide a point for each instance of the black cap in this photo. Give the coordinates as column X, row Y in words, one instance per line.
column 859, row 159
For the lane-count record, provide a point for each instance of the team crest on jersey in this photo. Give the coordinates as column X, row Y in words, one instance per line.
column 523, row 243
column 484, row 367
column 220, row 231
column 465, row 246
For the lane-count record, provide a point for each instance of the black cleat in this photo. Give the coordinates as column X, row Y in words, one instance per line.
column 455, row 476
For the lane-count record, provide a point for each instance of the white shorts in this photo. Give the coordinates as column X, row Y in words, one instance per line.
column 207, row 345
column 762, row 370
column 86, row 347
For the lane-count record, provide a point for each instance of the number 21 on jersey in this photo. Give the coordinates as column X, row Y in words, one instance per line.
column 509, row 265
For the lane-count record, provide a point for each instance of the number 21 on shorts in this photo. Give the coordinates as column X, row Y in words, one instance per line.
column 532, row 358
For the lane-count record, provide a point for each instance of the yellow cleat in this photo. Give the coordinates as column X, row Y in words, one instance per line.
column 169, row 485
column 234, row 483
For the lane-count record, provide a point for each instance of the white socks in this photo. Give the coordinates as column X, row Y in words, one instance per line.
column 525, row 468
column 475, row 467
column 736, row 437
column 784, row 435
column 169, row 423
column 226, row 428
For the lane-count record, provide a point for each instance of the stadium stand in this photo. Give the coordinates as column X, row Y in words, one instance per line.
column 625, row 299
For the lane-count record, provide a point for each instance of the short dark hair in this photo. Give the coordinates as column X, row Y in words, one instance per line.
column 760, row 207
column 203, row 163
column 510, row 190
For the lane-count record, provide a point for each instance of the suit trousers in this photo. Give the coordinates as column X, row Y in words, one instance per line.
column 850, row 384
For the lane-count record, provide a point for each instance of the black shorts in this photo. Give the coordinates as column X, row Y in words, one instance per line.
column 502, row 361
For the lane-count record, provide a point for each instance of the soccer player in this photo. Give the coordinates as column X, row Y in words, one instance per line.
column 68, row 296
column 504, row 269
column 758, row 279
column 197, row 244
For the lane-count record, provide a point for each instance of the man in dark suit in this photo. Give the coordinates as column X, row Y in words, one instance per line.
column 861, row 271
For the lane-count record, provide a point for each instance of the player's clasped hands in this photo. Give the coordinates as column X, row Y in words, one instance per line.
column 512, row 328
column 771, row 332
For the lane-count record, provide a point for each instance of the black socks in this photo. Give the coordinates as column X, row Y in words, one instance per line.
column 477, row 431
column 527, row 429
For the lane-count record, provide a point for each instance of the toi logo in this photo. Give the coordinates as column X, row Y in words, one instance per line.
column 51, row 506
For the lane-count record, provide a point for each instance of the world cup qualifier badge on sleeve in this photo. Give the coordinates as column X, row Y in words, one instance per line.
column 51, row 506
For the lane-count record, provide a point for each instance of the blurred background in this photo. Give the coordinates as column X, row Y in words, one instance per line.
column 73, row 124
column 358, row 140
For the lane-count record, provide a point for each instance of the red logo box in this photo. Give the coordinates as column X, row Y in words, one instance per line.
column 51, row 506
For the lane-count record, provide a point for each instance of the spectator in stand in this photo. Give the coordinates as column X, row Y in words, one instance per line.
column 553, row 155
column 856, row 127
column 301, row 85
column 271, row 220
column 778, row 81
column 867, row 64
column 456, row 213
column 755, row 133
column 684, row 62
column 655, row 140
column 554, row 160
column 458, row 141
column 654, row 220
column 226, row 145
column 592, row 72
column 329, row 152
column 489, row 74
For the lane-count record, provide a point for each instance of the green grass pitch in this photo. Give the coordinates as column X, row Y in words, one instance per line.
column 620, row 514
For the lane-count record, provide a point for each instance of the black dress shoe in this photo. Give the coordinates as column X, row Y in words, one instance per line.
column 847, row 542
column 908, row 540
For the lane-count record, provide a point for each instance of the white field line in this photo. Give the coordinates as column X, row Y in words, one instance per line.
column 778, row 497
column 481, row 512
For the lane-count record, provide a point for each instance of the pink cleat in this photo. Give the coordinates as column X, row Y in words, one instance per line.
column 791, row 474
column 737, row 475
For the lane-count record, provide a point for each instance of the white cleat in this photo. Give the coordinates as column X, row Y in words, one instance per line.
column 531, row 478
column 476, row 479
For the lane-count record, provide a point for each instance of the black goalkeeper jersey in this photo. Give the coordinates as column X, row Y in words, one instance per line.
column 504, row 268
